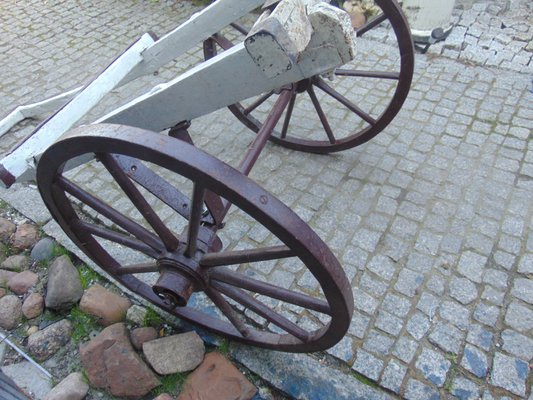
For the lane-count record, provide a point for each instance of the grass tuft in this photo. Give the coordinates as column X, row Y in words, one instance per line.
column 82, row 324
column 152, row 318
column 59, row 251
column 364, row 379
column 88, row 276
column 171, row 384
column 224, row 347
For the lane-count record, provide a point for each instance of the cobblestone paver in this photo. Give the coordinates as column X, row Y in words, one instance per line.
column 491, row 33
column 432, row 219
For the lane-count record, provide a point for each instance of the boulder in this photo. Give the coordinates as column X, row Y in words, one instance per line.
column 10, row 312
column 43, row 250
column 5, row 276
column 136, row 314
column 45, row 343
column 7, row 228
column 64, row 285
column 217, row 379
column 33, row 306
column 111, row 363
column 108, row 307
column 164, row 396
column 17, row 263
column 176, row 353
column 24, row 237
column 73, row 387
column 142, row 335
column 31, row 330
column 22, row 282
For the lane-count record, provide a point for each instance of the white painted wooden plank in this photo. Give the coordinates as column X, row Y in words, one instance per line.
column 20, row 162
column 230, row 77
column 196, row 29
column 13, row 118
column 32, row 110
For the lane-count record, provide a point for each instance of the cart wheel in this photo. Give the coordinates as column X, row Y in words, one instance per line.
column 348, row 108
column 241, row 290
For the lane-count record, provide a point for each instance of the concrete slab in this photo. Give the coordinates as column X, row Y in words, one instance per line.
column 29, row 378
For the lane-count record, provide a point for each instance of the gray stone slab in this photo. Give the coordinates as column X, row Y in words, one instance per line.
column 433, row 365
column 486, row 314
column 519, row 317
column 523, row 289
column 525, row 265
column 510, row 374
column 465, row 389
column 518, row 345
column 408, row 282
column 447, row 337
column 393, row 376
column 471, row 265
column 418, row 325
column 26, row 200
column 475, row 361
column 463, row 290
column 416, row 390
column 3, row 350
column 479, row 336
column 29, row 378
column 405, row 349
column 303, row 377
column 368, row 365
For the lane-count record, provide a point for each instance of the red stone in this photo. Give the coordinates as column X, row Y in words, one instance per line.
column 33, row 306
column 141, row 335
column 24, row 237
column 109, row 307
column 217, row 379
column 164, row 396
column 22, row 282
column 5, row 276
column 7, row 228
column 112, row 364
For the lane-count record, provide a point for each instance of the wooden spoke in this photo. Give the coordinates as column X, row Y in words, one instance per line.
column 344, row 101
column 155, row 184
column 138, row 200
column 113, row 236
column 388, row 16
column 228, row 311
column 242, row 29
column 222, row 41
column 321, row 115
column 371, row 24
column 288, row 116
column 187, row 269
column 138, row 268
column 368, row 74
column 262, row 310
column 267, row 289
column 246, row 256
column 197, row 209
column 118, row 218
column 257, row 103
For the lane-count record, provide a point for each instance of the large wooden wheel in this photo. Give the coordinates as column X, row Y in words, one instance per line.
column 365, row 100
column 182, row 266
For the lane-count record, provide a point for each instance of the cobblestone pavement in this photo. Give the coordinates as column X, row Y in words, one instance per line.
column 431, row 220
column 492, row 33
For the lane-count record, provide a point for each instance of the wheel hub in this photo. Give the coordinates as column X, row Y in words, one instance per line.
column 303, row 85
column 179, row 277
